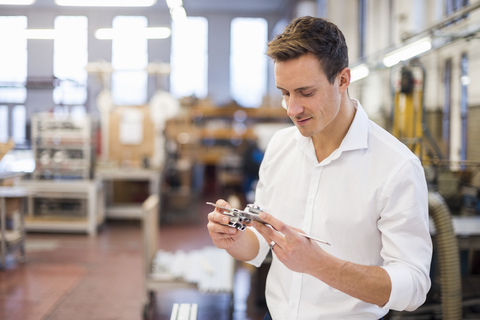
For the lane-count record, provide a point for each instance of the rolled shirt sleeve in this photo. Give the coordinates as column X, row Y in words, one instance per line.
column 407, row 245
column 262, row 251
column 260, row 196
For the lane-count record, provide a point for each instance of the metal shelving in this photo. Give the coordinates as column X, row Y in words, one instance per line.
column 62, row 146
column 65, row 197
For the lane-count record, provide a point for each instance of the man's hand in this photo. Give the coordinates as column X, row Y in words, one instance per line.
column 223, row 236
column 296, row 252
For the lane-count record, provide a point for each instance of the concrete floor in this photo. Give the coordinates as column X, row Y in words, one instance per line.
column 77, row 277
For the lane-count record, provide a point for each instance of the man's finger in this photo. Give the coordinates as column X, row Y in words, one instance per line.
column 222, row 203
column 278, row 230
column 276, row 224
column 270, row 232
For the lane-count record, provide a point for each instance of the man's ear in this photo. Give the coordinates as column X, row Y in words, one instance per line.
column 344, row 77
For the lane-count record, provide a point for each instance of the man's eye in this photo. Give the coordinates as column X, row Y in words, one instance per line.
column 307, row 94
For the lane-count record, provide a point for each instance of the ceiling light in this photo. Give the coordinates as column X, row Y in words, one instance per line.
column 17, row 2
column 157, row 33
column 147, row 33
column 174, row 3
column 178, row 14
column 358, row 72
column 408, row 51
column 106, row 3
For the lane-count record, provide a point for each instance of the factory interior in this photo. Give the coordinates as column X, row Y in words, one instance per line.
column 120, row 120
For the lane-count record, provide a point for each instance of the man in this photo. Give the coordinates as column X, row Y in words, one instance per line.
column 339, row 177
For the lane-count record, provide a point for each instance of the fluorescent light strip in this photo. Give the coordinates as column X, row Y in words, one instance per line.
column 177, row 11
column 178, row 14
column 106, row 3
column 172, row 4
column 148, row 33
column 359, row 72
column 17, row 2
column 407, row 52
column 157, row 33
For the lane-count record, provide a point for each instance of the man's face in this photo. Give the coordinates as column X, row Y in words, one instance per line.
column 312, row 102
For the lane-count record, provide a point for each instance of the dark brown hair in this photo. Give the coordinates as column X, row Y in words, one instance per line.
column 315, row 35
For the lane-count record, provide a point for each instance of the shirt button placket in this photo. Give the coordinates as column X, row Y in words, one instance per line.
column 311, row 198
column 296, row 284
column 296, row 289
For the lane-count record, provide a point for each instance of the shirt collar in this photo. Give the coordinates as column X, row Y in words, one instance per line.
column 356, row 137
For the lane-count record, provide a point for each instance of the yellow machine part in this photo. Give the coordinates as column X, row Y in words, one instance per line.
column 408, row 120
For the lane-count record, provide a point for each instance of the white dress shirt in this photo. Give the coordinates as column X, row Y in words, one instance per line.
column 368, row 199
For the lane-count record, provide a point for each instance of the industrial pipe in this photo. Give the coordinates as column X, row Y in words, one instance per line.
column 446, row 247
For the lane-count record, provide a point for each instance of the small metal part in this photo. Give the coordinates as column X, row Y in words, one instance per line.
column 240, row 218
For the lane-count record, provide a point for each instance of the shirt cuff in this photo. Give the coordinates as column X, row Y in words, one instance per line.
column 263, row 249
column 403, row 295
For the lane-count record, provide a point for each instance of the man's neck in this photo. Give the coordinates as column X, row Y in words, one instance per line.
column 329, row 140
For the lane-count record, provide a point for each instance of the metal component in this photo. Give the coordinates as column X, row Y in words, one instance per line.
column 240, row 218
column 313, row 238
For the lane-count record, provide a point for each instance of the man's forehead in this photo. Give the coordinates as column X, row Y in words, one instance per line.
column 298, row 73
column 307, row 61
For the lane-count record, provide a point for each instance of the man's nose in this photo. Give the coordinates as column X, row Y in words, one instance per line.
column 294, row 107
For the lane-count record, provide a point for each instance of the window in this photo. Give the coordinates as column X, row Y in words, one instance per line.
column 13, row 59
column 13, row 76
column 361, row 28
column 70, row 56
column 464, row 81
column 447, row 82
column 3, row 123
column 248, row 62
column 19, row 123
column 454, row 5
column 189, row 57
column 129, row 60
column 451, row 6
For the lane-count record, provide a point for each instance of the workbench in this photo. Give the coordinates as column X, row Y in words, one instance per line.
column 64, row 205
column 132, row 210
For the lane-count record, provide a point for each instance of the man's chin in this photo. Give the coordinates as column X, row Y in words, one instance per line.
column 303, row 132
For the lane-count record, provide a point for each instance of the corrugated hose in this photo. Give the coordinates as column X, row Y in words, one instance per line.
column 446, row 247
